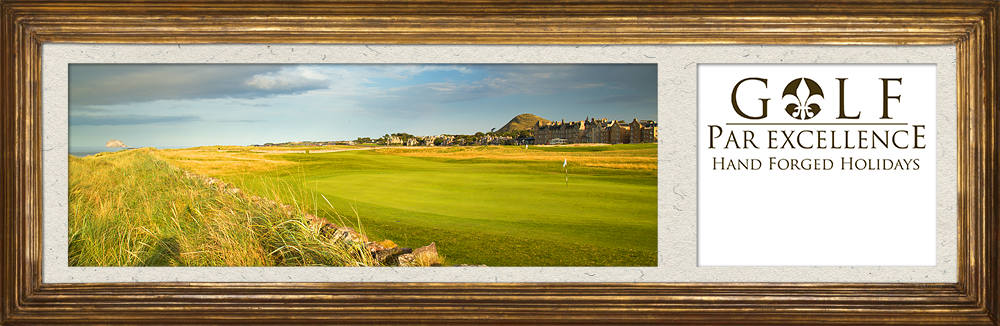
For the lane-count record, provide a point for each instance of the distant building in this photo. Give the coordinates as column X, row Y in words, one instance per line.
column 597, row 131
column 618, row 133
column 642, row 131
column 573, row 132
column 494, row 140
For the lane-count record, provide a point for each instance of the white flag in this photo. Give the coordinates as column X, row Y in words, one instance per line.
column 564, row 162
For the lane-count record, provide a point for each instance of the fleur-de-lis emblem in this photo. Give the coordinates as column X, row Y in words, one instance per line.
column 802, row 108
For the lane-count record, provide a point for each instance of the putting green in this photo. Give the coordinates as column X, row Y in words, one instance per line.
column 533, row 206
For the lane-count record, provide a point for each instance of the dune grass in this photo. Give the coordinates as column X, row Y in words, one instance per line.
column 493, row 205
column 132, row 209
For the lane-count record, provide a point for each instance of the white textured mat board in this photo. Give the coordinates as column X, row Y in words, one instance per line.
column 678, row 152
column 801, row 183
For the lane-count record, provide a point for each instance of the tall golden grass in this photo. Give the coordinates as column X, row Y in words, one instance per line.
column 211, row 161
column 133, row 209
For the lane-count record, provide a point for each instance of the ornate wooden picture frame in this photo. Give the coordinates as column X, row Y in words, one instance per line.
column 969, row 25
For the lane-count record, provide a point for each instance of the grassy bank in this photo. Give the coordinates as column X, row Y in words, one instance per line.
column 494, row 205
column 133, row 209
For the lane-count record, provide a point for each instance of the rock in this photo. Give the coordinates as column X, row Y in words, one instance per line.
column 327, row 228
column 391, row 256
column 406, row 260
column 317, row 224
column 313, row 219
column 426, row 250
column 115, row 143
column 388, row 244
column 423, row 256
column 426, row 255
column 380, row 245
column 382, row 257
column 349, row 234
column 374, row 247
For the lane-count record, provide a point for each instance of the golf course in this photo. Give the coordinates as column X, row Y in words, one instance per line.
column 487, row 205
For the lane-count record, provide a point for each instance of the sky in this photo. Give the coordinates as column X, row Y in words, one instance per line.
column 175, row 105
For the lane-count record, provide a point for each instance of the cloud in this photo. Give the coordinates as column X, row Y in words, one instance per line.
column 126, row 119
column 210, row 104
column 638, row 82
column 111, row 84
column 375, row 90
column 288, row 80
column 241, row 120
column 406, row 72
column 93, row 109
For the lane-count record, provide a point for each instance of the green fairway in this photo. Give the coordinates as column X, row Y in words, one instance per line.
column 493, row 206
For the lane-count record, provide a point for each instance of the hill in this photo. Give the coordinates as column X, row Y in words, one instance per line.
column 522, row 122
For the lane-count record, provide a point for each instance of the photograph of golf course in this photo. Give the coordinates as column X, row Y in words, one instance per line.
column 362, row 165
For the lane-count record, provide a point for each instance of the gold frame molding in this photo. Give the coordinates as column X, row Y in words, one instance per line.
column 970, row 25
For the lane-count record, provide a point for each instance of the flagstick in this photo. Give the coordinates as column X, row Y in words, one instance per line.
column 565, row 166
